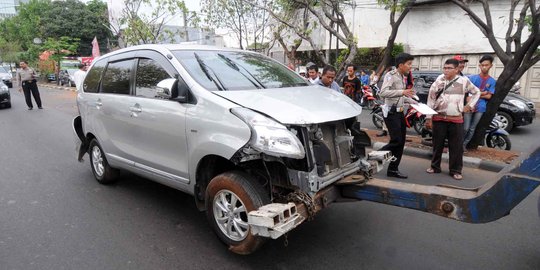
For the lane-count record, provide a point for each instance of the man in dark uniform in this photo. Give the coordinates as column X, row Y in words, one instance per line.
column 28, row 84
column 395, row 93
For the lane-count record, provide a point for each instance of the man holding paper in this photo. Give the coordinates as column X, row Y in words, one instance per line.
column 446, row 97
column 394, row 92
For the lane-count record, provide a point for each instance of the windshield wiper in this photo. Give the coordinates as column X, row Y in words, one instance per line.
column 237, row 67
column 206, row 69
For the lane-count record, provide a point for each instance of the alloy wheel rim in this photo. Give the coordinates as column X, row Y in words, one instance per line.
column 231, row 215
column 97, row 161
column 503, row 120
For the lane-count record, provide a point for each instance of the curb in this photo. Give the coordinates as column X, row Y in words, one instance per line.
column 470, row 162
column 46, row 85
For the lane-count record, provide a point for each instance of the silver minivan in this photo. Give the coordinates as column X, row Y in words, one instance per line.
column 259, row 148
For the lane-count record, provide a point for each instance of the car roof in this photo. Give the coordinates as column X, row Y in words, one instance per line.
column 165, row 48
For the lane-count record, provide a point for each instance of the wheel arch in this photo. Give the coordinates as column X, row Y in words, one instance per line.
column 207, row 168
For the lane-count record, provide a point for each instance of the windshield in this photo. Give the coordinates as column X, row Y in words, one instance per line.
column 71, row 71
column 225, row 70
column 3, row 70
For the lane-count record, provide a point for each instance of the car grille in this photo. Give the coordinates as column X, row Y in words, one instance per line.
column 530, row 105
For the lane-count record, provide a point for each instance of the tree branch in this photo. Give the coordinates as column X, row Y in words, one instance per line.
column 520, row 26
column 486, row 30
column 508, row 36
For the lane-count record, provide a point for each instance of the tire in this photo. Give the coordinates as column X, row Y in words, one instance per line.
column 103, row 173
column 499, row 141
column 419, row 124
column 246, row 193
column 8, row 105
column 377, row 119
column 506, row 120
column 370, row 104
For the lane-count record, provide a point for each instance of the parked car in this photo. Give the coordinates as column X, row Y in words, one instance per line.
column 6, row 76
column 66, row 77
column 5, row 97
column 515, row 110
column 51, row 77
column 233, row 128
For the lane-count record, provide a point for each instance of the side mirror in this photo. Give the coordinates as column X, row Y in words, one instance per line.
column 165, row 88
column 181, row 92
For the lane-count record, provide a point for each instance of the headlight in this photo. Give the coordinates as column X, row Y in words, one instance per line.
column 269, row 136
column 6, row 78
column 4, row 89
column 518, row 103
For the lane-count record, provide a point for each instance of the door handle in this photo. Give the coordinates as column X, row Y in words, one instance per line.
column 98, row 103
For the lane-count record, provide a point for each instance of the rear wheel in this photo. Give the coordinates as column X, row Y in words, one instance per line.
column 499, row 141
column 230, row 197
column 371, row 104
column 377, row 119
column 103, row 173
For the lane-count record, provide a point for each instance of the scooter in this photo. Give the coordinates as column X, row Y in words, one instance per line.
column 368, row 98
column 496, row 136
column 377, row 114
column 415, row 119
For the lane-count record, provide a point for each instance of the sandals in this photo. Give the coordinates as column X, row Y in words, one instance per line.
column 457, row 176
column 431, row 170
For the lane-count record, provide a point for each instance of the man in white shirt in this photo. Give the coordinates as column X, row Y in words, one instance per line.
column 79, row 76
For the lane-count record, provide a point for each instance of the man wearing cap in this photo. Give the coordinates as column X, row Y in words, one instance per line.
column 462, row 62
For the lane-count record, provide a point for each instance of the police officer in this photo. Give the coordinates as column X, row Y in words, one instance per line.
column 395, row 93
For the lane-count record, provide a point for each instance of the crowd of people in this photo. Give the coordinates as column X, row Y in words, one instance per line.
column 458, row 100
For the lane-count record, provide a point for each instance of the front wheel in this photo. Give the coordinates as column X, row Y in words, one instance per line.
column 499, row 141
column 506, row 120
column 371, row 104
column 103, row 173
column 230, row 197
column 377, row 119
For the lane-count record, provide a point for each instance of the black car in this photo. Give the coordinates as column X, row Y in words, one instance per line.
column 66, row 77
column 5, row 97
column 515, row 110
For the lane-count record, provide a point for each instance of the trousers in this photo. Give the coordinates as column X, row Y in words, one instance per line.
column 454, row 133
column 397, row 129
column 470, row 120
column 31, row 88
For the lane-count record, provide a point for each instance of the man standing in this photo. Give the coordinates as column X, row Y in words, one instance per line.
column 327, row 78
column 28, row 84
column 486, row 84
column 79, row 76
column 364, row 78
column 394, row 92
column 352, row 87
column 462, row 62
column 313, row 74
column 446, row 97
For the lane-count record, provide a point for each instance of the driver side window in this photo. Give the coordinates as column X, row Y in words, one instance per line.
column 149, row 75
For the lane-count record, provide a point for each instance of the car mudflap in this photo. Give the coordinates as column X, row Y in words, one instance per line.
column 81, row 143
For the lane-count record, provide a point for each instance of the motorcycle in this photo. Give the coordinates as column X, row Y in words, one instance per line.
column 415, row 119
column 496, row 136
column 377, row 114
column 368, row 98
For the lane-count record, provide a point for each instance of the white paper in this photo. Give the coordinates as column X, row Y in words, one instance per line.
column 423, row 109
column 384, row 108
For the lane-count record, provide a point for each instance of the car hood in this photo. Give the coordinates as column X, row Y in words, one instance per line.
column 297, row 105
column 516, row 96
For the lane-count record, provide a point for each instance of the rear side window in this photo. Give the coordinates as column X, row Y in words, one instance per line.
column 116, row 77
column 149, row 74
column 91, row 82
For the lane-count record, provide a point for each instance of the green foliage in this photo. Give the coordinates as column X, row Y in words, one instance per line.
column 61, row 47
column 53, row 19
column 341, row 57
column 397, row 49
column 9, row 51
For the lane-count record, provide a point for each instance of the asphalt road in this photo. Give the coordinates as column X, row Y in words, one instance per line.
column 54, row 215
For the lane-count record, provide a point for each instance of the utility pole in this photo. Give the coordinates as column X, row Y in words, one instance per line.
column 186, row 32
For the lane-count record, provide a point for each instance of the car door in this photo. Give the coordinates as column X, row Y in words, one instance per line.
column 157, row 131
column 113, row 117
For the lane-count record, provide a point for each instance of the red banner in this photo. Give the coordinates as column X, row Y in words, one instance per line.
column 95, row 48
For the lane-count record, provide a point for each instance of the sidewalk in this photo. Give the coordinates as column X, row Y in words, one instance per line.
column 484, row 158
column 55, row 86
